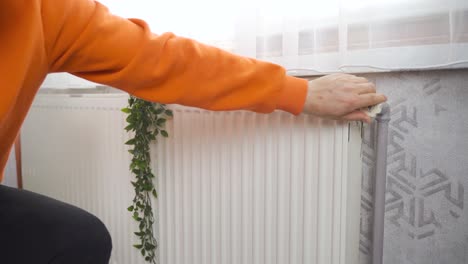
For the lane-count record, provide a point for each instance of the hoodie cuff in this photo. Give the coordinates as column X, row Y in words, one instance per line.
column 292, row 96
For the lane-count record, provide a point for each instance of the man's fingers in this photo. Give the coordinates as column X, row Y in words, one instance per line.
column 369, row 99
column 365, row 88
column 357, row 79
column 357, row 116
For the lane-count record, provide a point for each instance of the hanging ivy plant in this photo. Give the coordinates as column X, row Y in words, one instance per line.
column 147, row 121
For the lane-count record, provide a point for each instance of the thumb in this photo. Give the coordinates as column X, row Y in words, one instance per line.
column 357, row 116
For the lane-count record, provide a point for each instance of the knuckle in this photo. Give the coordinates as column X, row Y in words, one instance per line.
column 334, row 76
column 361, row 80
column 356, row 89
column 350, row 102
column 371, row 89
column 343, row 84
column 343, row 76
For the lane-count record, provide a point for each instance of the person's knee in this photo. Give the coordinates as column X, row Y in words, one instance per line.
column 100, row 235
column 51, row 231
column 103, row 237
column 94, row 236
column 86, row 236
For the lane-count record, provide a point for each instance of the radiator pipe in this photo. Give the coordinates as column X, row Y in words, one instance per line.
column 382, row 119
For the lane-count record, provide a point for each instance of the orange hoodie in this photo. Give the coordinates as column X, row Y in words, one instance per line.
column 83, row 38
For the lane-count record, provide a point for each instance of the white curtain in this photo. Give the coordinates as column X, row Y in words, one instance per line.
column 314, row 36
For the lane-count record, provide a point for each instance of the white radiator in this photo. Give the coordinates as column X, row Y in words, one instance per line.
column 233, row 187
column 10, row 174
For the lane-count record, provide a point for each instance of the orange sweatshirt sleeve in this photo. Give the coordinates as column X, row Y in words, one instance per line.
column 84, row 39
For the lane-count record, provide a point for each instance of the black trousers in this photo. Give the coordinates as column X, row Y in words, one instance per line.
column 35, row 229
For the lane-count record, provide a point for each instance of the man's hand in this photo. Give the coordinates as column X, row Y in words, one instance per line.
column 341, row 96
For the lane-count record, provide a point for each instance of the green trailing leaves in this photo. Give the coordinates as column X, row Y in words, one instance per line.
column 130, row 142
column 161, row 122
column 159, row 111
column 168, row 113
column 146, row 120
column 138, row 246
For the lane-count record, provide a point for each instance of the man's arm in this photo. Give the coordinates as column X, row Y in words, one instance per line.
column 83, row 38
